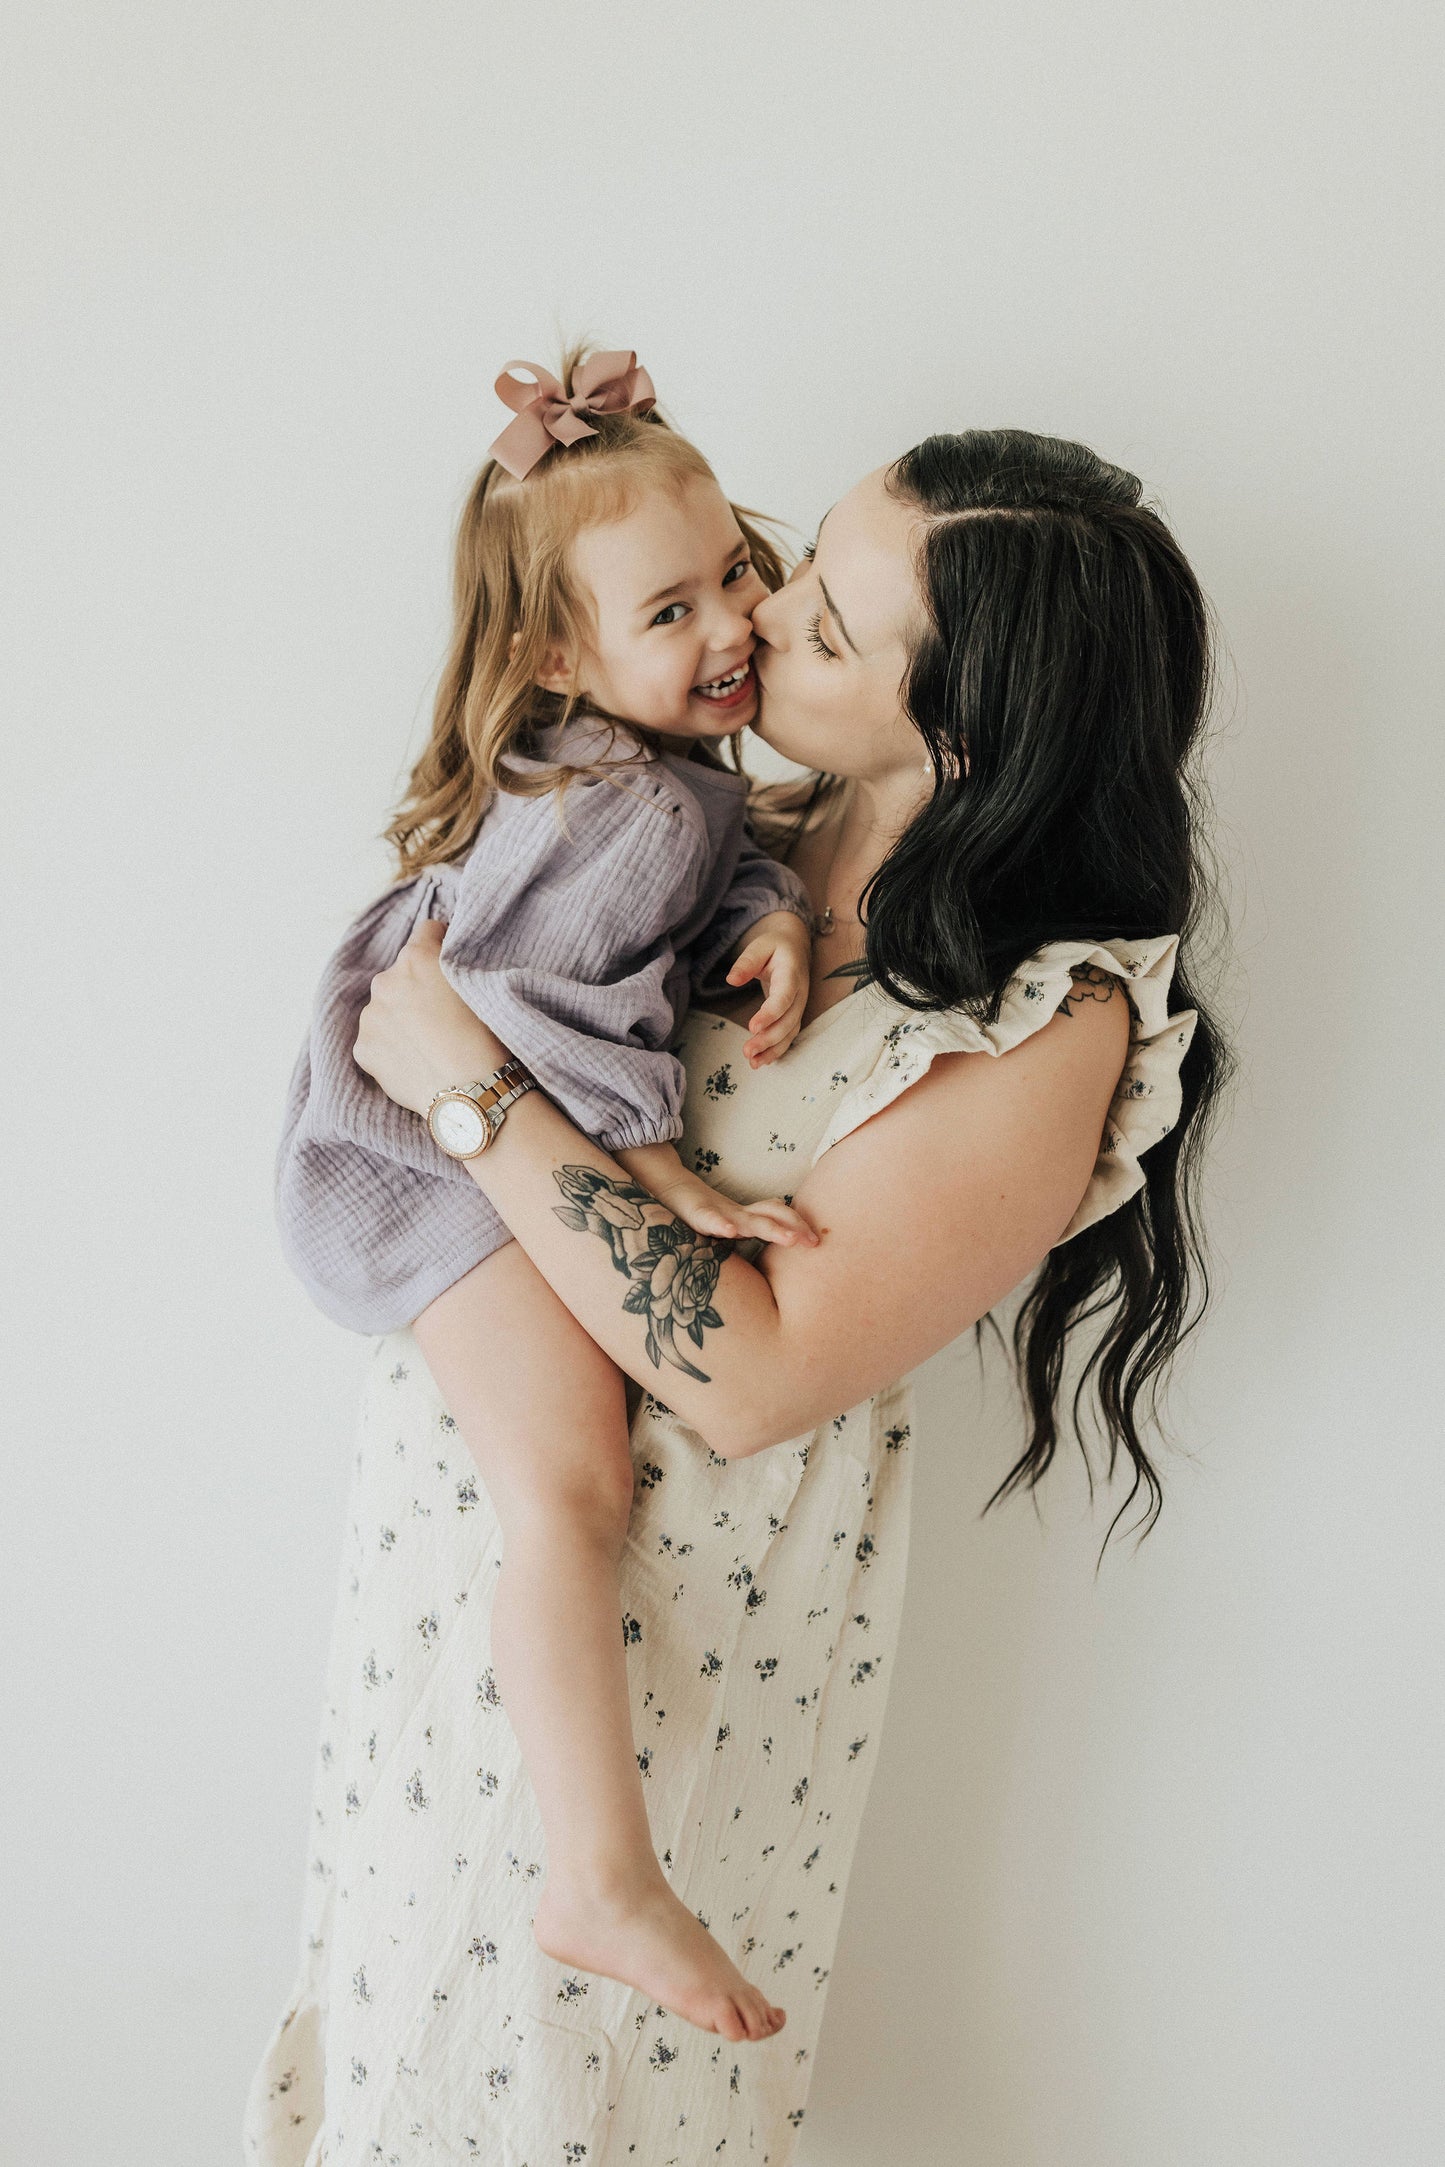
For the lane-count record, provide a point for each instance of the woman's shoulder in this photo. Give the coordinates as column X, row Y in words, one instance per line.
column 1093, row 984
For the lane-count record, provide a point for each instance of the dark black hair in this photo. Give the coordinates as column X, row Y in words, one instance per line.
column 1066, row 657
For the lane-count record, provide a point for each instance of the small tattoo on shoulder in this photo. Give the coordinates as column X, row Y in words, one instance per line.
column 1090, row 984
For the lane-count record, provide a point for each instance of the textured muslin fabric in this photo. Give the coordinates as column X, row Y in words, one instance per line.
column 579, row 927
column 761, row 1603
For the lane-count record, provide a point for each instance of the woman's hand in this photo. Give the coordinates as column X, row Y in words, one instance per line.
column 417, row 1035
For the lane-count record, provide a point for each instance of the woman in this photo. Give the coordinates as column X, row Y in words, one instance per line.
column 1001, row 661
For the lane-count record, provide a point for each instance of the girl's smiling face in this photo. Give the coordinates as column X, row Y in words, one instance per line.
column 670, row 590
column 834, row 644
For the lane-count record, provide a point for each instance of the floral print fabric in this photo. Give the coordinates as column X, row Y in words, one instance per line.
column 761, row 1602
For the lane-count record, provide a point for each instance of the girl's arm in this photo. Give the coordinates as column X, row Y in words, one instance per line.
column 926, row 1218
column 760, row 887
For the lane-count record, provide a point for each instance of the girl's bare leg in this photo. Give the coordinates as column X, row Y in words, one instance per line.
column 543, row 1412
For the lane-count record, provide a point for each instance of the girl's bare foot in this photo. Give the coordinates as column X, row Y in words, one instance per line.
column 645, row 1936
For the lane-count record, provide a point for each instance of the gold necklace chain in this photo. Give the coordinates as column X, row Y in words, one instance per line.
column 826, row 921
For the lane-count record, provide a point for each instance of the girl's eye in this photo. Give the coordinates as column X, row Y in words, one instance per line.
column 816, row 640
column 737, row 571
column 666, row 617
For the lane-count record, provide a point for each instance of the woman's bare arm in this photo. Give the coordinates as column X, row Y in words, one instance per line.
column 927, row 1214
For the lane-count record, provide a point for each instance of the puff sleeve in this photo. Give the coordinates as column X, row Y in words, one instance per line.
column 560, row 939
column 1146, row 1101
column 760, row 884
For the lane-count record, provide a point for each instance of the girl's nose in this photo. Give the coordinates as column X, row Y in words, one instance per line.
column 766, row 618
column 729, row 628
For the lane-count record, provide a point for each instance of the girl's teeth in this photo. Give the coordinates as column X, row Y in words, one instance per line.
column 720, row 687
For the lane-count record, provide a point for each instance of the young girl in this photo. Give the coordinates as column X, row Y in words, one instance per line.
column 571, row 823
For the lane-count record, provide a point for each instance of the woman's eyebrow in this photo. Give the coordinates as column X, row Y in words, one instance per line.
column 812, row 548
column 833, row 613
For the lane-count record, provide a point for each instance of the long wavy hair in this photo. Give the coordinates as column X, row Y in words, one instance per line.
column 514, row 597
column 1060, row 684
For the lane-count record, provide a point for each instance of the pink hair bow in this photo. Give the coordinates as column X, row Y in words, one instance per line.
column 546, row 417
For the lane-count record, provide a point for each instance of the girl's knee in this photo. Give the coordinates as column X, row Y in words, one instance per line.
column 609, row 1492
column 590, row 1498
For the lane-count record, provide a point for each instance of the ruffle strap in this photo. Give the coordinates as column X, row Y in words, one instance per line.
column 1147, row 1100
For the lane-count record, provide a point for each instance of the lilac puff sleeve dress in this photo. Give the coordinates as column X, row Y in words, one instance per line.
column 580, row 926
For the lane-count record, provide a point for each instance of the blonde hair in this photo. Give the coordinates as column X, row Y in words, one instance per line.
column 514, row 602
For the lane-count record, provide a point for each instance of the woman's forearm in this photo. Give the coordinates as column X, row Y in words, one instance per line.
column 697, row 1326
column 920, row 1222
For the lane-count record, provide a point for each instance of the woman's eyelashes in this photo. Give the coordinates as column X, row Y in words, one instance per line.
column 815, row 635
column 816, row 640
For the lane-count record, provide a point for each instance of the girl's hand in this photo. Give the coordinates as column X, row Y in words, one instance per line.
column 659, row 1169
column 779, row 952
column 708, row 1211
column 418, row 1036
column 767, row 1221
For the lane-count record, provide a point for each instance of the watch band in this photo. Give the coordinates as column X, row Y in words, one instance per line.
column 502, row 1086
column 491, row 1098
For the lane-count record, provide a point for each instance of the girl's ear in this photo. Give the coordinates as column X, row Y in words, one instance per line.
column 556, row 672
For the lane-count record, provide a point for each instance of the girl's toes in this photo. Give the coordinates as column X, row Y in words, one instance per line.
column 732, row 2024
column 759, row 2016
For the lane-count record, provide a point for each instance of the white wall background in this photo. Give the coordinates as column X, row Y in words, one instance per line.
column 1152, row 1876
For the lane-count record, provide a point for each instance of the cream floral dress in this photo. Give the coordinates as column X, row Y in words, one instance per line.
column 761, row 1602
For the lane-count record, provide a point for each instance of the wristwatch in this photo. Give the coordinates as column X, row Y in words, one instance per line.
column 464, row 1118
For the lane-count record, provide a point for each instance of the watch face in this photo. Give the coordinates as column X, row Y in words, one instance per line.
column 459, row 1126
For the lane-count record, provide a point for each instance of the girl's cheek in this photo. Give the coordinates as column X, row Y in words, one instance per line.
column 653, row 679
column 669, row 685
column 685, row 671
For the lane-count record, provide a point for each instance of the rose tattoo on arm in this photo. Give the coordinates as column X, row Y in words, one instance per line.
column 672, row 1271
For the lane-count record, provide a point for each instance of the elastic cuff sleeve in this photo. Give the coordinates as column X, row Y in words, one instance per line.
column 630, row 1135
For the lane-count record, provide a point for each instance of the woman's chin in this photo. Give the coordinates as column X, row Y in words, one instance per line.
column 769, row 723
